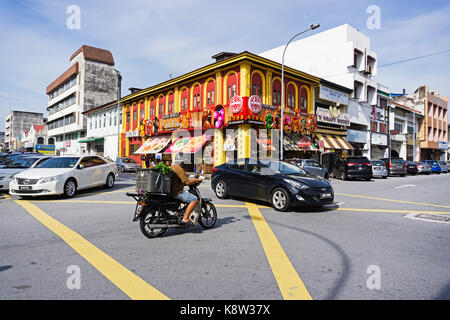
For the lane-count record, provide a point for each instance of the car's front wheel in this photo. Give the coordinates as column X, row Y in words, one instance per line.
column 280, row 199
column 70, row 188
column 110, row 181
column 221, row 189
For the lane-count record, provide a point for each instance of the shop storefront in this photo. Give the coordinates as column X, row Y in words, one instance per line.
column 227, row 110
column 379, row 148
column 333, row 120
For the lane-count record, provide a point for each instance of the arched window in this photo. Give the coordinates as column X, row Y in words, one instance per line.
column 184, row 100
column 170, row 100
column 135, row 116
column 152, row 112
column 161, row 104
column 231, row 86
column 290, row 96
column 142, row 111
column 40, row 140
column 257, row 85
column 51, row 141
column 303, row 100
column 128, row 120
column 276, row 95
column 196, row 97
column 210, row 94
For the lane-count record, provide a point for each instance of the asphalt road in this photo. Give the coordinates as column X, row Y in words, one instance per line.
column 369, row 245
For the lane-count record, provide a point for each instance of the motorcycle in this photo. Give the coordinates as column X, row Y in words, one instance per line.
column 156, row 212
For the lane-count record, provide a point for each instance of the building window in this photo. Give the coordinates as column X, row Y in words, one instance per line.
column 231, row 91
column 161, row 108
column 303, row 101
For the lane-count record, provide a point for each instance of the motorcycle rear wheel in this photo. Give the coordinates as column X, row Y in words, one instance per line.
column 151, row 217
column 208, row 216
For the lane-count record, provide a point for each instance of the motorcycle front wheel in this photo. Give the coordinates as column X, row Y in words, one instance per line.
column 208, row 216
column 151, row 217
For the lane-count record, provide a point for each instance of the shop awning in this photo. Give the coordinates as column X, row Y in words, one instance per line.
column 153, row 145
column 298, row 143
column 335, row 142
column 91, row 140
column 188, row 144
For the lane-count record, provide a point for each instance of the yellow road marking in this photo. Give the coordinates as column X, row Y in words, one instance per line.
column 106, row 192
column 132, row 285
column 289, row 282
column 6, row 196
column 391, row 200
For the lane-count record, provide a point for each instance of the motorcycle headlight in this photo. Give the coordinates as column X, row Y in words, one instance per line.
column 298, row 185
column 49, row 179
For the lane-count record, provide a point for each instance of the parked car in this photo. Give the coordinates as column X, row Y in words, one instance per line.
column 311, row 166
column 423, row 168
column 10, row 157
column 435, row 167
column 127, row 164
column 352, row 168
column 395, row 166
column 444, row 167
column 19, row 164
column 64, row 175
column 282, row 184
column 379, row 169
column 411, row 167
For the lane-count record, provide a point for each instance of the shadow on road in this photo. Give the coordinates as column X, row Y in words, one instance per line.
column 198, row 229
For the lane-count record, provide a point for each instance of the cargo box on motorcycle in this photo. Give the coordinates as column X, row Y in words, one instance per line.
column 153, row 181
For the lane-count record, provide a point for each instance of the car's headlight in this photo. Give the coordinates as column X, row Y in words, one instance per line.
column 49, row 179
column 298, row 185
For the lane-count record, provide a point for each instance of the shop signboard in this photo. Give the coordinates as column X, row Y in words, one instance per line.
column 333, row 95
column 442, row 145
column 236, row 104
column 29, row 144
column 378, row 139
column 333, row 115
column 171, row 122
column 45, row 148
column 128, row 134
column 357, row 136
column 254, row 104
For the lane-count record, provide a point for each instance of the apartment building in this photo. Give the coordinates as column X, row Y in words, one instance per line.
column 18, row 122
column 433, row 131
column 341, row 55
column 90, row 81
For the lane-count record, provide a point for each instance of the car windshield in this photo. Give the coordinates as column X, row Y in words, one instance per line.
column 358, row 160
column 397, row 161
column 312, row 163
column 268, row 167
column 129, row 160
column 377, row 163
column 22, row 163
column 68, row 162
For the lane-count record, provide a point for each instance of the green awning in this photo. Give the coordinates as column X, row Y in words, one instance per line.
column 91, row 140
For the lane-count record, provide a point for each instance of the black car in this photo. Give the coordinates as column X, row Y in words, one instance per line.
column 411, row 167
column 353, row 167
column 282, row 184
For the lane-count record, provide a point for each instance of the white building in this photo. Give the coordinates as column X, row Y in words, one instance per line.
column 341, row 55
column 36, row 135
column 90, row 81
column 103, row 127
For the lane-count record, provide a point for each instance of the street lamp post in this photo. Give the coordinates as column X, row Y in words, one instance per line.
column 312, row 27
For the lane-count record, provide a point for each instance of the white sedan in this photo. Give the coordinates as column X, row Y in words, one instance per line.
column 64, row 175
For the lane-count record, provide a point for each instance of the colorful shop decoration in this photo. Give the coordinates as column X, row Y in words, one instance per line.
column 153, row 145
column 254, row 104
column 206, row 120
column 287, row 124
column 145, row 129
column 236, row 104
column 188, row 144
column 187, row 121
column 171, row 122
column 219, row 117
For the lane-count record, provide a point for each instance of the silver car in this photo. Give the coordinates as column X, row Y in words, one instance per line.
column 444, row 167
column 379, row 169
column 423, row 168
column 312, row 167
column 127, row 164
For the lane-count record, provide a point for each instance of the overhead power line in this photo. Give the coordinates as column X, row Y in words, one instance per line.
column 416, row 58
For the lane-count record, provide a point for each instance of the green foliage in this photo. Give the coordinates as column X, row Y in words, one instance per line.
column 163, row 168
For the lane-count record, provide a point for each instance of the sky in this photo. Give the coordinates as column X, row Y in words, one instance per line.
column 153, row 40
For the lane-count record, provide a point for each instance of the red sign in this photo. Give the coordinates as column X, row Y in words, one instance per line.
column 254, row 104
column 236, row 104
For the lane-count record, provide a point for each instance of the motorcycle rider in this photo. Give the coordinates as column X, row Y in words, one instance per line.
column 179, row 180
